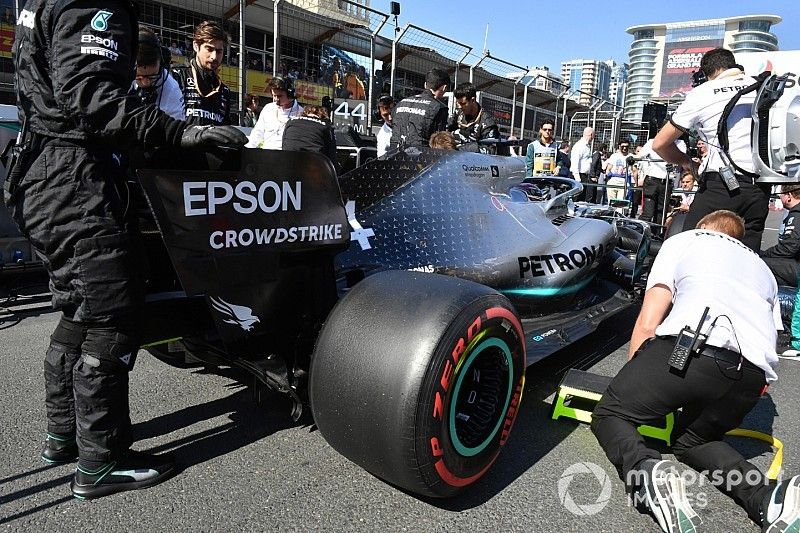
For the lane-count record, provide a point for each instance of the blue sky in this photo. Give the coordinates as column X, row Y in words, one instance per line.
column 545, row 33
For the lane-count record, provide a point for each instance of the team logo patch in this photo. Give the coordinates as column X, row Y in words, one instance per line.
column 100, row 20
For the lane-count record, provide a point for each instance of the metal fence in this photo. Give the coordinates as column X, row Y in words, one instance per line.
column 340, row 49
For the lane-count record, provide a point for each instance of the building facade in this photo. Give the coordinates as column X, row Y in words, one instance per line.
column 663, row 56
column 619, row 81
column 589, row 76
column 543, row 79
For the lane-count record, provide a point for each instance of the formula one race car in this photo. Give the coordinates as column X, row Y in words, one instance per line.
column 402, row 303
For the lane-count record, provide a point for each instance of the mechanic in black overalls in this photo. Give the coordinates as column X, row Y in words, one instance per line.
column 416, row 118
column 783, row 259
column 471, row 123
column 65, row 190
column 206, row 97
column 312, row 131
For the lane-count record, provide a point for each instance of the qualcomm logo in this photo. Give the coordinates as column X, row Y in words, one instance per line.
column 238, row 315
column 586, row 509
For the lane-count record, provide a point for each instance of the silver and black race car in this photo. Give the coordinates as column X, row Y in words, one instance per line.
column 402, row 302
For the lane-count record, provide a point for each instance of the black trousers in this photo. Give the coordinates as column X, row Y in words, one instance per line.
column 69, row 200
column 715, row 397
column 749, row 201
column 594, row 194
column 584, row 195
column 655, row 191
column 785, row 269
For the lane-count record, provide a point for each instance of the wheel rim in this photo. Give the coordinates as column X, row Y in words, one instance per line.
column 480, row 399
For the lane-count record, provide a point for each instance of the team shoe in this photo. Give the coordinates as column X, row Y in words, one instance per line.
column 136, row 470
column 59, row 449
column 781, row 509
column 663, row 494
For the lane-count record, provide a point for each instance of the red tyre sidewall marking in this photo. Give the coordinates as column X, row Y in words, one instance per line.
column 444, row 383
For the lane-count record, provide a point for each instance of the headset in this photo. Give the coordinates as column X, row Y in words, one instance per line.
column 385, row 101
column 284, row 84
column 154, row 42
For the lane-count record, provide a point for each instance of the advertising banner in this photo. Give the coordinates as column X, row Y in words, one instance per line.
column 680, row 60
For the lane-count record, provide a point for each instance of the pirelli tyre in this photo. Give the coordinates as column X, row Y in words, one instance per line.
column 417, row 378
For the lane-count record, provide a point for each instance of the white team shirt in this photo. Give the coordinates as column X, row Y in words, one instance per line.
column 656, row 169
column 580, row 158
column 170, row 96
column 268, row 131
column 704, row 268
column 383, row 138
column 702, row 109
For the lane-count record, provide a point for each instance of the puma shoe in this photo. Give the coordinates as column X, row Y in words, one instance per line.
column 59, row 449
column 663, row 494
column 781, row 509
column 135, row 471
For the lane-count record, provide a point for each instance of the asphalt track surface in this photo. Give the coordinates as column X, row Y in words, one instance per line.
column 247, row 467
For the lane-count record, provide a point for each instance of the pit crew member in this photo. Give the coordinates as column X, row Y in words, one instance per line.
column 722, row 381
column 75, row 64
column 702, row 110
column 384, row 136
column 268, row 132
column 207, row 99
column 417, row 117
column 311, row 132
column 783, row 259
column 470, row 123
column 153, row 83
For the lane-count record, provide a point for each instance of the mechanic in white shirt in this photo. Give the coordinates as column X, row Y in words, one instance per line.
column 656, row 184
column 581, row 160
column 268, row 131
column 384, row 136
column 707, row 267
column 153, row 83
column 702, row 110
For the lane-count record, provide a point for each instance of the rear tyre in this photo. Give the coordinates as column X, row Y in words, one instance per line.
column 417, row 378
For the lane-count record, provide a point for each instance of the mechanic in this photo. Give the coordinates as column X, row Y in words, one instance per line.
column 268, row 132
column 443, row 140
column 419, row 116
column 701, row 110
column 470, row 123
column 206, row 97
column 311, row 132
column 65, row 190
column 581, row 162
column 783, row 259
column 657, row 185
column 540, row 157
column 725, row 377
column 153, row 83
column 384, row 135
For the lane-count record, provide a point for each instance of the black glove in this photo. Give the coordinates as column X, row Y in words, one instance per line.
column 199, row 136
